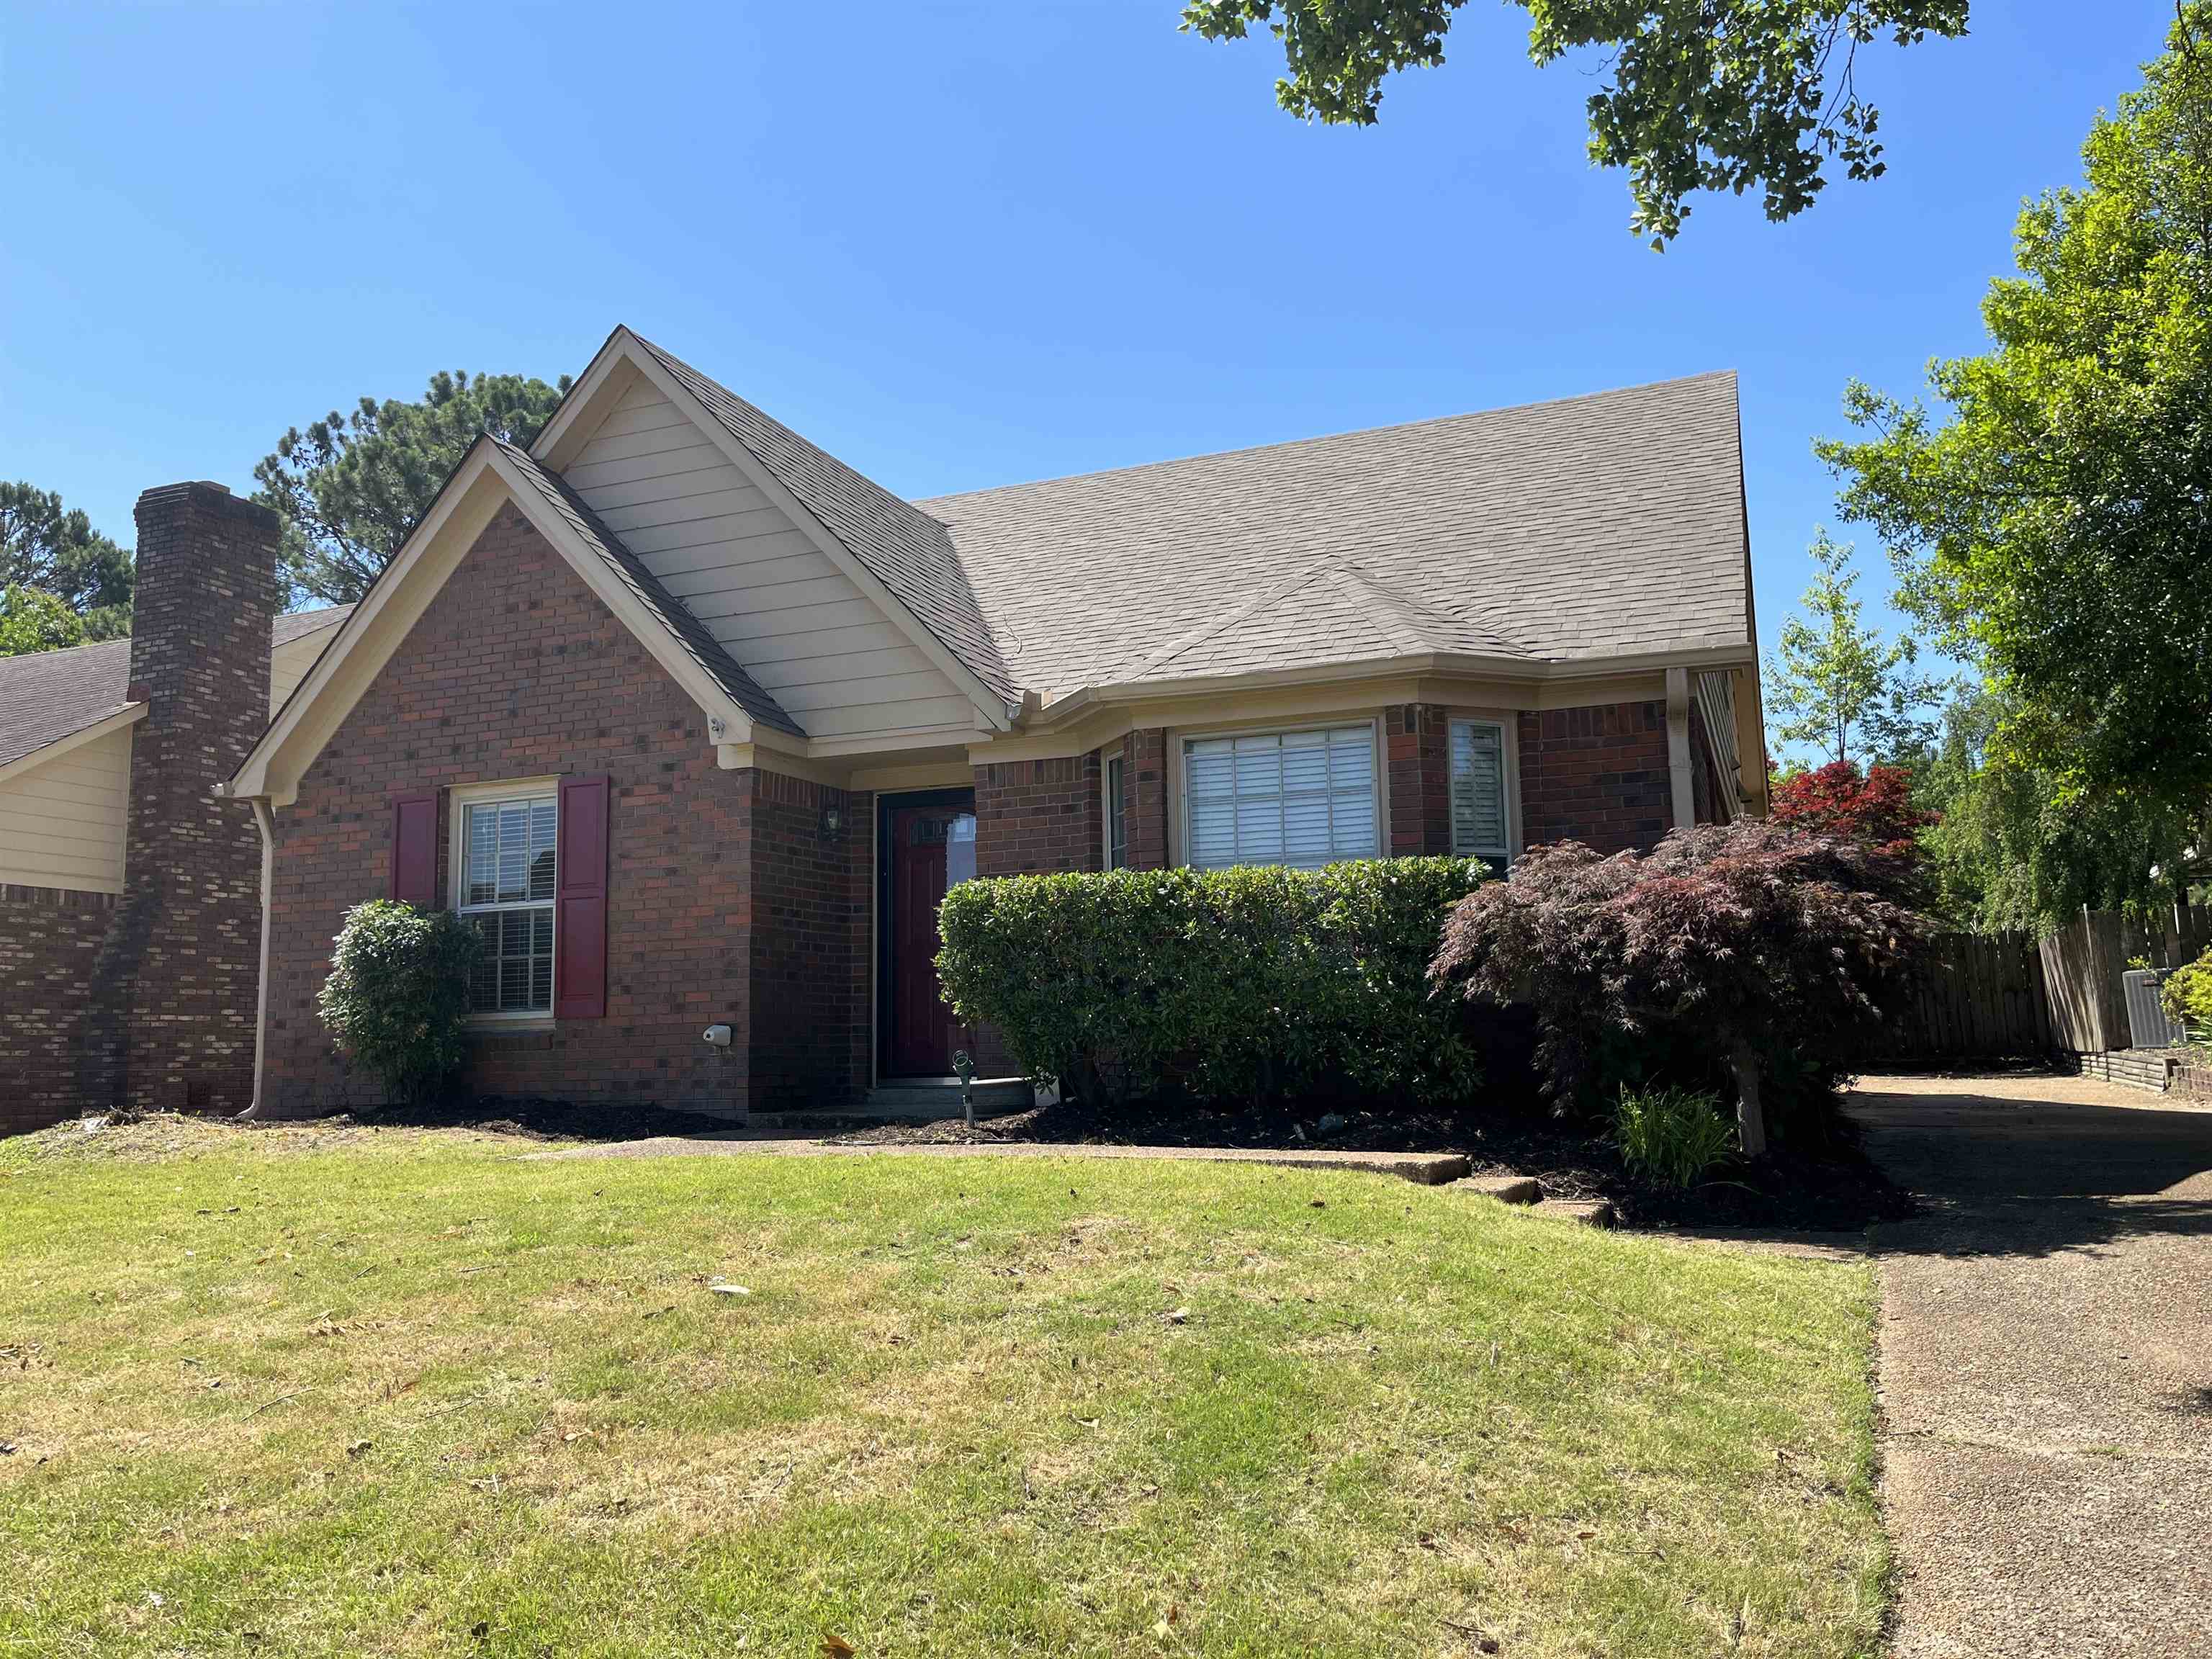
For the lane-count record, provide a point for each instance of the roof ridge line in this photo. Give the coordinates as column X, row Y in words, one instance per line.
column 925, row 501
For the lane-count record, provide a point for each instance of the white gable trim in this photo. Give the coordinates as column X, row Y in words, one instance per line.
column 76, row 739
column 601, row 385
column 484, row 482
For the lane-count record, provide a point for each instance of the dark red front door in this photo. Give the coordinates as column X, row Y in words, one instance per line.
column 930, row 848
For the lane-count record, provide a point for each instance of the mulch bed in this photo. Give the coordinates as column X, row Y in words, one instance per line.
column 1842, row 1191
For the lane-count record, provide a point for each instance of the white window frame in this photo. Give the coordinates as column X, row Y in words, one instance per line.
column 1510, row 770
column 459, row 800
column 1183, row 738
column 1114, row 801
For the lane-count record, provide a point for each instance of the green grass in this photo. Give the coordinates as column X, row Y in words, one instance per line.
column 321, row 1391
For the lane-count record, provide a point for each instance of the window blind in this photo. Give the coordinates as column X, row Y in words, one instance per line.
column 1298, row 797
column 1478, row 789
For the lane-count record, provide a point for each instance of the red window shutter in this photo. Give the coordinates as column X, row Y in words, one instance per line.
column 579, row 935
column 415, row 850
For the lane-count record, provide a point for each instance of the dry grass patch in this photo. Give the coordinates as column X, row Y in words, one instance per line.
column 463, row 1402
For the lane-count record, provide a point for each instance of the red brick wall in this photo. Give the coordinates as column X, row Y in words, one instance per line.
column 1037, row 815
column 725, row 893
column 810, row 898
column 54, row 1061
column 1597, row 775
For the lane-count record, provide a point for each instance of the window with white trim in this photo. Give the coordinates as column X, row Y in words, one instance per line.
column 505, row 885
column 1479, row 822
column 1298, row 797
column 1117, row 827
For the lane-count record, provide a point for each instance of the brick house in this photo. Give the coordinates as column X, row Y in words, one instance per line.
column 699, row 723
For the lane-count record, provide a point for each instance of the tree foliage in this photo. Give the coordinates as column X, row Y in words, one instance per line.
column 1700, row 94
column 1744, row 950
column 2053, row 529
column 2014, row 847
column 1874, row 808
column 31, row 619
column 54, row 549
column 1835, row 684
column 351, row 487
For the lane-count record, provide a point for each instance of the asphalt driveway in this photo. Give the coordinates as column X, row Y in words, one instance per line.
column 2046, row 1366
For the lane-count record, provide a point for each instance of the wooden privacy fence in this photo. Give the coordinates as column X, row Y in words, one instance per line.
column 1985, row 994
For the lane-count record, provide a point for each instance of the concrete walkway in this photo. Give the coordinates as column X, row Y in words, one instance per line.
column 2046, row 1367
column 1428, row 1169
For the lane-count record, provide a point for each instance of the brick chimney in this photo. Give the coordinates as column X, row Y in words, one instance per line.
column 176, row 985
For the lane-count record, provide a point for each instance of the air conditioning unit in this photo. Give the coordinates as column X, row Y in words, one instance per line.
column 2148, row 1025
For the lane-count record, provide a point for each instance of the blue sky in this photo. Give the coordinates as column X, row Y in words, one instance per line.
column 959, row 245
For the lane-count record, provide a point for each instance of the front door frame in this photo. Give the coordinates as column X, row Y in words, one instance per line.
column 962, row 797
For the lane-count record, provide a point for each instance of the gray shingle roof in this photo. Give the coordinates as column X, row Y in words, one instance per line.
column 51, row 695
column 1596, row 527
column 907, row 551
column 298, row 624
column 685, row 629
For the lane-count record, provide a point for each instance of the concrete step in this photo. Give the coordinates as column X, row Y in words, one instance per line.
column 933, row 1098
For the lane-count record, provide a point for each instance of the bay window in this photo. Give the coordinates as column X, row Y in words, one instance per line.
column 1305, row 798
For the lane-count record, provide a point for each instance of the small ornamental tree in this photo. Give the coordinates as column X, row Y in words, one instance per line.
column 1874, row 808
column 1747, row 945
column 398, row 997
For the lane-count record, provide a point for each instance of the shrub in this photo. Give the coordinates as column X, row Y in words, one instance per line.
column 1727, row 951
column 1671, row 1135
column 398, row 997
column 1245, row 985
column 2187, row 994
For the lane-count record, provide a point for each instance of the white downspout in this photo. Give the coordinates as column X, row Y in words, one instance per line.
column 265, row 821
column 1678, row 747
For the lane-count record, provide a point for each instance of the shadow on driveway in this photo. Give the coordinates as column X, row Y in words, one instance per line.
column 2024, row 1164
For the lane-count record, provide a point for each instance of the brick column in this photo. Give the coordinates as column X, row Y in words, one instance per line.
column 175, row 989
column 1145, row 797
column 1416, row 738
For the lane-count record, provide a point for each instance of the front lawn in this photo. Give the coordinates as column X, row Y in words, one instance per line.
column 315, row 1391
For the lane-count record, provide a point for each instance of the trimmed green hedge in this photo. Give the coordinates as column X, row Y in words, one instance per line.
column 1246, row 985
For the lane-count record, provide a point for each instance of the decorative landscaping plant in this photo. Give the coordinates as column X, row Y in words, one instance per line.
column 1742, row 950
column 398, row 997
column 1245, row 985
column 1672, row 1136
column 2187, row 994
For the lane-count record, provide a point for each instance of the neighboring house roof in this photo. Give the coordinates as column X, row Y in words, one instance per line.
column 685, row 629
column 906, row 549
column 298, row 624
column 1599, row 527
column 48, row 695
column 51, row 695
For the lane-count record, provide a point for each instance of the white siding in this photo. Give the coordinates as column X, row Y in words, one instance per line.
column 836, row 663
column 290, row 663
column 61, row 823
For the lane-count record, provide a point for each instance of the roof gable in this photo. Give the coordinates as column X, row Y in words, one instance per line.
column 489, row 476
